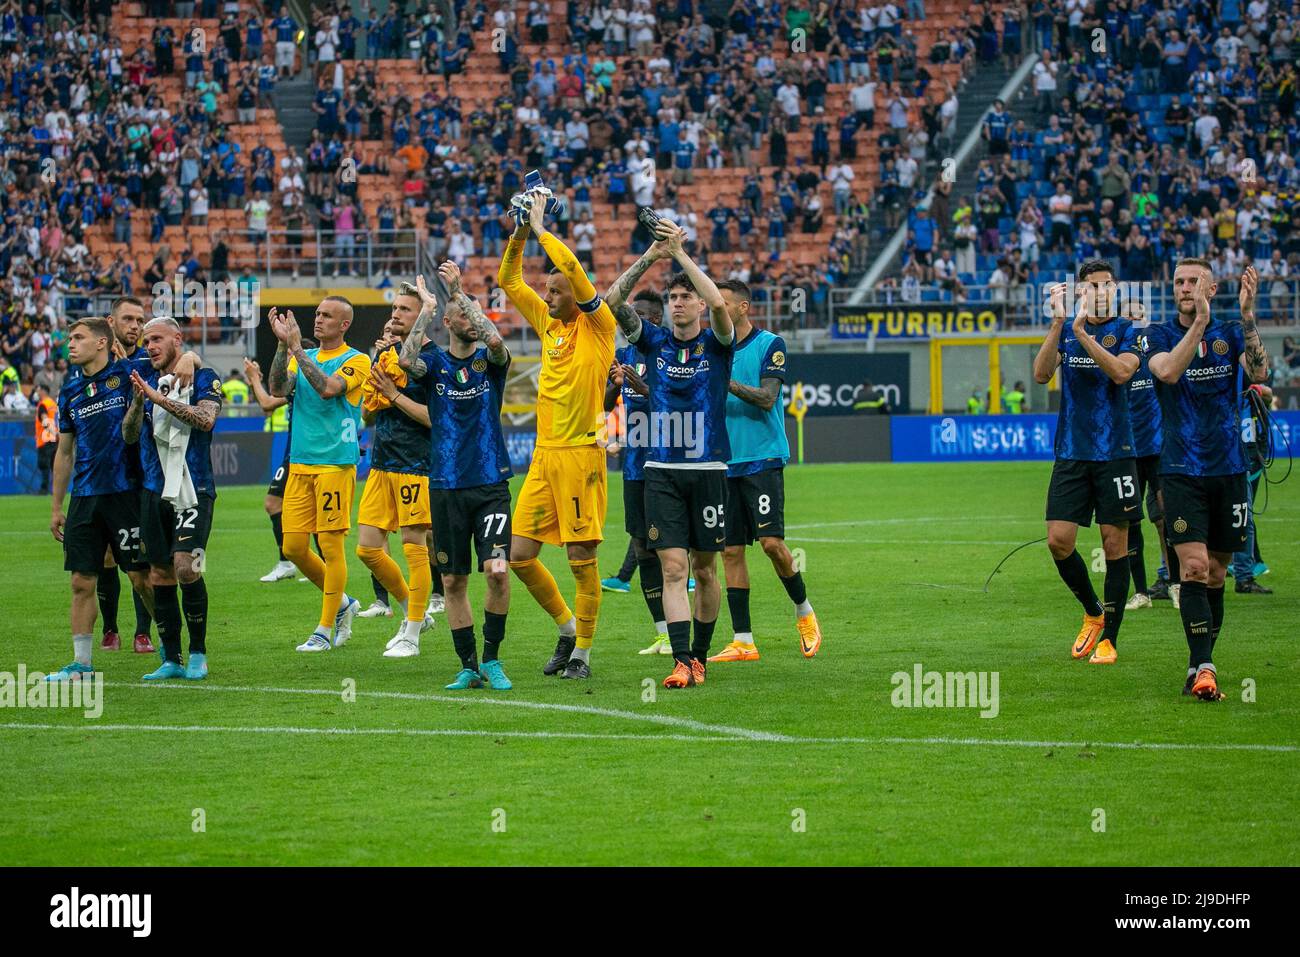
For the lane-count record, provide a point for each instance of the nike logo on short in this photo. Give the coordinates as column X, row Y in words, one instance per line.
column 717, row 541
column 1127, row 508
column 764, row 524
column 1198, row 624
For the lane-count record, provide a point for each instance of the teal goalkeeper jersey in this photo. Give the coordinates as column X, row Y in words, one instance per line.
column 325, row 430
column 758, row 439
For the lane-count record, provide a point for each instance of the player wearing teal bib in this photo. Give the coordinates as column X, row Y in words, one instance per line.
column 326, row 384
column 756, row 478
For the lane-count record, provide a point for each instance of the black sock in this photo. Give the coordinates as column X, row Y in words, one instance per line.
column 462, row 640
column 1136, row 566
column 381, row 593
column 793, row 587
column 277, row 529
column 1171, row 562
column 168, row 610
column 1215, row 598
column 629, row 565
column 1075, row 575
column 107, row 590
column 738, row 605
column 194, row 596
column 1115, row 591
column 652, row 586
column 703, row 638
column 494, row 632
column 437, row 585
column 1194, row 604
column 143, row 620
column 679, row 636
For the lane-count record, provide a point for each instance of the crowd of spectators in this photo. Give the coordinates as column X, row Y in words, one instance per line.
column 1174, row 136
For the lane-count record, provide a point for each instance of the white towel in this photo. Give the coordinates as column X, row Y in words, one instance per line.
column 172, row 438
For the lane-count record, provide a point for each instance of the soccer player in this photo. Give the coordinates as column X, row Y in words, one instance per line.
column 279, row 410
column 326, row 383
column 627, row 379
column 396, row 495
column 688, row 371
column 1095, row 470
column 469, row 474
column 126, row 319
column 563, row 498
column 756, row 478
column 170, row 428
column 1203, row 464
column 1144, row 412
column 104, row 511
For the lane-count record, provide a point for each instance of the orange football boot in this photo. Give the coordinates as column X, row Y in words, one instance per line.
column 1105, row 653
column 683, row 676
column 697, row 671
column 1206, row 686
column 736, row 651
column 1088, row 635
column 810, row 634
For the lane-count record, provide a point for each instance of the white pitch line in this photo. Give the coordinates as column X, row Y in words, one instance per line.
column 959, row 519
column 660, row 719
column 690, row 738
column 340, row 732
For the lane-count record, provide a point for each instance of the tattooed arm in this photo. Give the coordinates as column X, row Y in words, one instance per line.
column 1255, row 359
column 278, row 380
column 326, row 386
column 202, row 416
column 484, row 331
column 617, row 295
column 765, row 396
column 134, row 419
column 409, row 356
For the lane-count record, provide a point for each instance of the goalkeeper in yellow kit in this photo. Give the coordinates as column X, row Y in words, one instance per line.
column 562, row 501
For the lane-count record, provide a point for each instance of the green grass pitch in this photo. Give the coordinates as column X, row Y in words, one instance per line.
column 782, row 761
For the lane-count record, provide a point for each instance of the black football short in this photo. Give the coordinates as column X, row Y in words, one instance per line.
column 165, row 530
column 756, row 506
column 97, row 523
column 1149, row 485
column 465, row 517
column 1211, row 509
column 281, row 476
column 634, row 522
column 1079, row 489
column 686, row 508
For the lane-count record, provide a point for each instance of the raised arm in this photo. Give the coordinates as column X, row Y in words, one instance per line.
column 719, row 318
column 201, row 416
column 253, row 373
column 409, row 356
column 1048, row 358
column 1118, row 368
column 1255, row 359
column 134, row 418
column 286, row 330
column 484, row 330
column 510, row 276
column 1169, row 366
column 617, row 295
column 412, row 409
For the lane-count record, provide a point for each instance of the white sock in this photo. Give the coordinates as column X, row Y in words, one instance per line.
column 81, row 645
column 322, row 631
column 744, row 637
column 803, row 609
column 582, row 654
column 661, row 627
column 570, row 629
